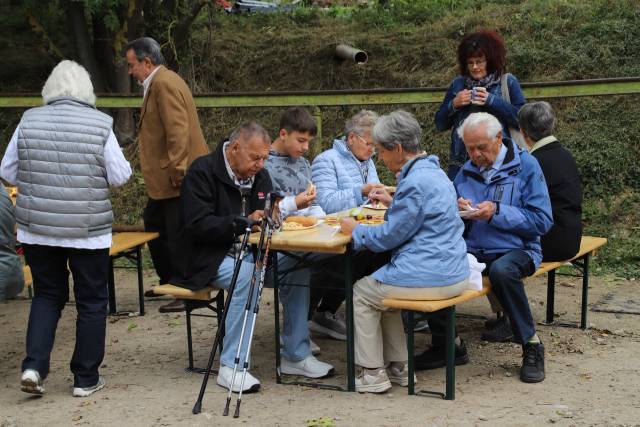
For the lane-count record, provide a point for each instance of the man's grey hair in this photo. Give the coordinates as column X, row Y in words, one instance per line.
column 146, row 47
column 537, row 120
column 249, row 130
column 361, row 123
column 69, row 78
column 398, row 128
column 474, row 120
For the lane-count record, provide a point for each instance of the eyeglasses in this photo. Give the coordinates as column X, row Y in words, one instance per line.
column 478, row 63
column 366, row 143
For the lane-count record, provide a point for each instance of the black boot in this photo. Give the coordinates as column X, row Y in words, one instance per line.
column 435, row 357
column 500, row 332
column 532, row 370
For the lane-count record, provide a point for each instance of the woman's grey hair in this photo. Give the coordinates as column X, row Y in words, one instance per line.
column 247, row 131
column 476, row 119
column 69, row 78
column 361, row 123
column 146, row 47
column 398, row 127
column 537, row 120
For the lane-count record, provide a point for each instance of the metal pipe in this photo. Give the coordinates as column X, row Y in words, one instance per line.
column 345, row 51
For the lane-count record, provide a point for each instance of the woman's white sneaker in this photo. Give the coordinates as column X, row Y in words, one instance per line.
column 31, row 382
column 309, row 367
column 372, row 380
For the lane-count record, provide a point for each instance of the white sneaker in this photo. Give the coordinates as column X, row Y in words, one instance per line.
column 309, row 367
column 328, row 324
column 88, row 391
column 315, row 348
column 31, row 382
column 398, row 373
column 225, row 373
column 372, row 380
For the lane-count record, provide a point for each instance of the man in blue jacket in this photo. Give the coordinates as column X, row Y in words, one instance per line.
column 504, row 193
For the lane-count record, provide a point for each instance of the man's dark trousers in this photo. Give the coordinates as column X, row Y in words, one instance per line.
column 505, row 273
column 163, row 216
column 90, row 269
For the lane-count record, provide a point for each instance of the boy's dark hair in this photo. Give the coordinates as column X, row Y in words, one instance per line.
column 298, row 119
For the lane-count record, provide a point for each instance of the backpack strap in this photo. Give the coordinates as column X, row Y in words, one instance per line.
column 504, row 86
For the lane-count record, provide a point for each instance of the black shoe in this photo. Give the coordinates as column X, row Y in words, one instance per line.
column 532, row 370
column 434, row 357
column 491, row 323
column 501, row 332
column 174, row 306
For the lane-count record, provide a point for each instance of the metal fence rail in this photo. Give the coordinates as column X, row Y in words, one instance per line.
column 560, row 89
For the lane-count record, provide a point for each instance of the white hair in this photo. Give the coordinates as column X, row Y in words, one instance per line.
column 474, row 120
column 398, row 128
column 69, row 78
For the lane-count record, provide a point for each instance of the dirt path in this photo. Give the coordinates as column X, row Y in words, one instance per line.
column 592, row 377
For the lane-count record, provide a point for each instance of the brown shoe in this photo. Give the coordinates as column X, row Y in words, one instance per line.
column 174, row 306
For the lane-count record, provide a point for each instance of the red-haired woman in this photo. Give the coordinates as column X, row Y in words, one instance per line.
column 481, row 57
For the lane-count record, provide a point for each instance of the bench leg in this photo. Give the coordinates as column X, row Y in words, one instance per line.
column 189, row 338
column 276, row 311
column 112, row 289
column 351, row 368
column 551, row 290
column 410, row 364
column 450, row 393
column 585, row 292
column 140, row 284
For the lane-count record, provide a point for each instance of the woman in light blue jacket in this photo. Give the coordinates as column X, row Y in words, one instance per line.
column 423, row 231
column 345, row 174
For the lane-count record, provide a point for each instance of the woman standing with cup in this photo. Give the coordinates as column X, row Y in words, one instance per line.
column 481, row 57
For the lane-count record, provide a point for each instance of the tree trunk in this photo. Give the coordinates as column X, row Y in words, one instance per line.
column 183, row 30
column 78, row 24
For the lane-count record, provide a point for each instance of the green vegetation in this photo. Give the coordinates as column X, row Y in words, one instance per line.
column 410, row 44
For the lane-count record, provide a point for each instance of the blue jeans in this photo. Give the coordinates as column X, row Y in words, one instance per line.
column 506, row 273
column 295, row 305
column 236, row 309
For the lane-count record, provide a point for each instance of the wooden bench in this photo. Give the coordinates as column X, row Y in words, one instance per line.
column 201, row 298
column 128, row 245
column 588, row 246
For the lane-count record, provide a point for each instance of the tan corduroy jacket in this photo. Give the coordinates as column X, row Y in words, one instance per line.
column 170, row 137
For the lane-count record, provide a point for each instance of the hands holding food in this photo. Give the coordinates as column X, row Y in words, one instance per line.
column 304, row 199
column 381, row 195
column 367, row 188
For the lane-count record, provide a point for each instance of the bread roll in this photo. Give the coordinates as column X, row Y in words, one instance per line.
column 306, row 221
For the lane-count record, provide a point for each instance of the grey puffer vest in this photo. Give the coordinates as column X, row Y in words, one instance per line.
column 62, row 179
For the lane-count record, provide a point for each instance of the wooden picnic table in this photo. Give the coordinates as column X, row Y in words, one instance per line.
column 322, row 238
column 128, row 245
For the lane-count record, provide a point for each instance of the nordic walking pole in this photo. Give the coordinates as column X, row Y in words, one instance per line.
column 255, row 317
column 221, row 322
column 244, row 321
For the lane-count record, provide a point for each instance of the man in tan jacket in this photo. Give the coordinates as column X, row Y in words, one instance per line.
column 169, row 140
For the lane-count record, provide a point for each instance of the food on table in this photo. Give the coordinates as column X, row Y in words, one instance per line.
column 360, row 218
column 299, row 222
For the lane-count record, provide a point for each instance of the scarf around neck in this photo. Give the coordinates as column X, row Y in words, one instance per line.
column 487, row 81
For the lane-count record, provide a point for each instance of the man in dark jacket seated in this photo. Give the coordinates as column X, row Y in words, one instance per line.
column 217, row 188
column 537, row 121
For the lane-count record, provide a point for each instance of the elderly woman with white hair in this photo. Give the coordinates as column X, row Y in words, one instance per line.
column 63, row 156
column 423, row 231
column 344, row 175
